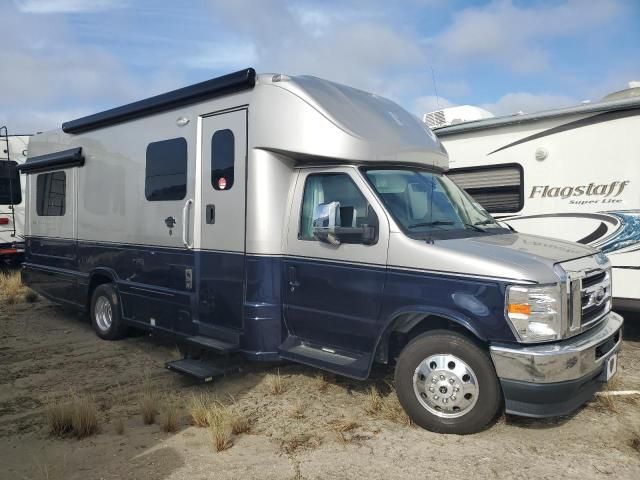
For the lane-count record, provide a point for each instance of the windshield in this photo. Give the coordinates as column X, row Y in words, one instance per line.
column 422, row 201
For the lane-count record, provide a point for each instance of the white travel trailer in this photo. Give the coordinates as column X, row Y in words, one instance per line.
column 275, row 217
column 13, row 152
column 571, row 173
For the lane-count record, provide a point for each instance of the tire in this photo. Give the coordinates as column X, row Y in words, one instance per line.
column 105, row 313
column 453, row 361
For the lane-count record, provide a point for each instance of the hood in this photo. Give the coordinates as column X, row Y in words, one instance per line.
column 514, row 256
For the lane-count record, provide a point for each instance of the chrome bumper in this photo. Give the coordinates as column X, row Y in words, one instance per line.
column 562, row 361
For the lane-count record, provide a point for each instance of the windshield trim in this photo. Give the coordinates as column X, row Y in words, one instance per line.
column 463, row 232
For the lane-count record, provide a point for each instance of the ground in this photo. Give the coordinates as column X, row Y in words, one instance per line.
column 318, row 427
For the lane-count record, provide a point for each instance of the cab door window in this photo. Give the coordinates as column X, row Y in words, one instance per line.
column 325, row 188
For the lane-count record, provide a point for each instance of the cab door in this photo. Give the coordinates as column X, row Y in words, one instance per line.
column 334, row 292
column 220, row 219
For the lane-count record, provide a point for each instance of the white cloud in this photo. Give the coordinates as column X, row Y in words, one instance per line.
column 430, row 103
column 513, row 103
column 67, row 6
column 515, row 36
column 222, row 56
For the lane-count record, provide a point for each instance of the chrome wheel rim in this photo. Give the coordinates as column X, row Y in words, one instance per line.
column 446, row 386
column 103, row 314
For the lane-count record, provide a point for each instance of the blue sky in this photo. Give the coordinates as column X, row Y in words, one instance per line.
column 65, row 58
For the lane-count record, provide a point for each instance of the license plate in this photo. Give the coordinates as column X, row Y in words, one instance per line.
column 611, row 366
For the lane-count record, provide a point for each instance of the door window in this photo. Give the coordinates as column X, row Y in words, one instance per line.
column 222, row 159
column 166, row 170
column 325, row 188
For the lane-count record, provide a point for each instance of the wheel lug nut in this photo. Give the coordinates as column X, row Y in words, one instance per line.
column 451, row 381
column 453, row 397
column 456, row 389
column 434, row 380
column 441, row 377
column 436, row 397
column 445, row 400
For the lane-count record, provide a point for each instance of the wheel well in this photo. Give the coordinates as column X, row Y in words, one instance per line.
column 409, row 325
column 97, row 279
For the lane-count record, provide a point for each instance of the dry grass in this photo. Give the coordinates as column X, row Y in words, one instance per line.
column 298, row 409
column 119, row 428
column 13, row 291
column 635, row 442
column 387, row 407
column 343, row 429
column 275, row 383
column 320, row 382
column 77, row 416
column 304, row 440
column 169, row 421
column 198, row 408
column 239, row 423
column 219, row 427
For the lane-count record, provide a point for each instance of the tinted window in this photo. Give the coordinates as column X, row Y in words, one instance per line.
column 222, row 159
column 166, row 171
column 498, row 188
column 319, row 189
column 10, row 193
column 51, row 194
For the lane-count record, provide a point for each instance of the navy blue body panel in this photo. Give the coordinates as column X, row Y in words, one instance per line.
column 343, row 306
column 333, row 304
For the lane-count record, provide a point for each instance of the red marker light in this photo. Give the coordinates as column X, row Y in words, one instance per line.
column 4, row 221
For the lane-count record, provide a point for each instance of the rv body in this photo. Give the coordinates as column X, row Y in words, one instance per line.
column 294, row 218
column 13, row 152
column 571, row 174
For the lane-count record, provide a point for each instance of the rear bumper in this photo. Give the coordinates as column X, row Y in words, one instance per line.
column 555, row 379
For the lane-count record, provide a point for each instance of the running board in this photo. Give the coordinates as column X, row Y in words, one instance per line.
column 349, row 364
column 204, row 371
column 213, row 344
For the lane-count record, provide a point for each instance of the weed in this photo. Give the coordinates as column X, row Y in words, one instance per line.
column 298, row 409
column 635, row 442
column 60, row 418
column 320, row 381
column 120, row 426
column 219, row 427
column 85, row 417
column 31, row 297
column 275, row 384
column 170, row 419
column 239, row 423
column 373, row 402
column 290, row 445
column 12, row 290
column 198, row 407
column 149, row 407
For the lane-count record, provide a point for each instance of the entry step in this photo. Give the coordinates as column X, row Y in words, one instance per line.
column 203, row 370
column 219, row 346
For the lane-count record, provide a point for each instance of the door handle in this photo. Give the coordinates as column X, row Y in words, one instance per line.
column 292, row 273
column 185, row 224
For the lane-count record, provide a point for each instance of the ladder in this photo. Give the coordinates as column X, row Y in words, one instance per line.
column 5, row 163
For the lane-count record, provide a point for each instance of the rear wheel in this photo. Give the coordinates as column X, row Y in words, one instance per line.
column 447, row 384
column 105, row 313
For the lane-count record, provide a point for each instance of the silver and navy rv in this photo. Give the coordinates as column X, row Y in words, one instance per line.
column 292, row 218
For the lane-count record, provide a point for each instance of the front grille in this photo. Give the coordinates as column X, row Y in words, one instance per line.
column 594, row 291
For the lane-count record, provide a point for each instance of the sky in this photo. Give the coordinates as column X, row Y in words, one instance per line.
column 62, row 59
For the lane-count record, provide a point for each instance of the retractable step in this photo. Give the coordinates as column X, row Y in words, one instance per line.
column 203, row 370
column 350, row 364
column 219, row 346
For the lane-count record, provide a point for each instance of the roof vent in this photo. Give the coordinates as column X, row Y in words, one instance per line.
column 455, row 115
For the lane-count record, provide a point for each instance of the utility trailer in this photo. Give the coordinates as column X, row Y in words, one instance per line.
column 292, row 218
column 13, row 152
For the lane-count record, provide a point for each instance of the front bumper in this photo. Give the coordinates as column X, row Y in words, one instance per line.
column 555, row 379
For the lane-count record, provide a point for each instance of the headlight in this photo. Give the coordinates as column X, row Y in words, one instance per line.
column 535, row 312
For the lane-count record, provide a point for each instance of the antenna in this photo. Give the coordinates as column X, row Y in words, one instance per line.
column 433, row 78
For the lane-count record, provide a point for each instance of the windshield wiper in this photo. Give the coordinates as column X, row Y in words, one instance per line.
column 486, row 222
column 475, row 227
column 435, row 223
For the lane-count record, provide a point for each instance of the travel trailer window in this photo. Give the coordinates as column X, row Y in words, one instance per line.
column 10, row 193
column 334, row 187
column 498, row 188
column 222, row 159
column 51, row 193
column 166, row 170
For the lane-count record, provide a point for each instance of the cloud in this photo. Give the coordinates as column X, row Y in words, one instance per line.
column 517, row 36
column 67, row 6
column 513, row 103
column 430, row 103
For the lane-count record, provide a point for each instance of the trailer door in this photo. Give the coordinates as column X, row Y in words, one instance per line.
column 220, row 219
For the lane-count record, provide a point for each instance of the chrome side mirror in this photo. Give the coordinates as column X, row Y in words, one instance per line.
column 326, row 217
column 328, row 220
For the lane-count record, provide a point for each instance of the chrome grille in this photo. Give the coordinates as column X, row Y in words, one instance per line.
column 591, row 299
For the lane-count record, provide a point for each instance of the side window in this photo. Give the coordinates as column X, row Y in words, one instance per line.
column 222, row 159
column 166, row 170
column 498, row 188
column 10, row 193
column 51, row 194
column 319, row 189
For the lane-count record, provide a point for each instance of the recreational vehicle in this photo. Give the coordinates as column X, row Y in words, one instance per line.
column 572, row 174
column 13, row 152
column 280, row 217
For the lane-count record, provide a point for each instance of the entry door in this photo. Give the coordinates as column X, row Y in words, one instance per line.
column 220, row 213
column 334, row 293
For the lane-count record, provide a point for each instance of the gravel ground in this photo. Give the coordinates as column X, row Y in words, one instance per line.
column 47, row 354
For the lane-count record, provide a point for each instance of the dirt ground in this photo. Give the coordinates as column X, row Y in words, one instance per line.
column 46, row 353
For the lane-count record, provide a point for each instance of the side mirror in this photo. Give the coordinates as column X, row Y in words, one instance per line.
column 327, row 226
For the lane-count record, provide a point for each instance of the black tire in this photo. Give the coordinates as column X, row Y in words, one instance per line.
column 442, row 342
column 116, row 329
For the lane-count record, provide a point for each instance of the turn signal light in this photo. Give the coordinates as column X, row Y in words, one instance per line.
column 4, row 221
column 521, row 308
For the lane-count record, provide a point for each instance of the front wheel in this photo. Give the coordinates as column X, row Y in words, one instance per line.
column 447, row 384
column 105, row 313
